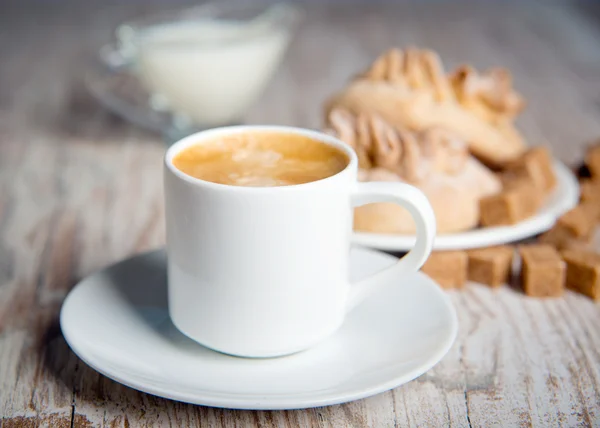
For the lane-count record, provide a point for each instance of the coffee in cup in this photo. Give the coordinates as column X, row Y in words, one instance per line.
column 261, row 159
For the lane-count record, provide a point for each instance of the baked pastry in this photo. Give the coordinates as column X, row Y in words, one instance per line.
column 410, row 89
column 435, row 160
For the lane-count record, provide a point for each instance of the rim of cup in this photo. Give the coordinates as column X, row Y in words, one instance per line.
column 199, row 137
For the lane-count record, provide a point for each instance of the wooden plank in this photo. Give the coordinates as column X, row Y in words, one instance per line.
column 29, row 391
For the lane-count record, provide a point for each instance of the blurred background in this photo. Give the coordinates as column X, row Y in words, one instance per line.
column 552, row 49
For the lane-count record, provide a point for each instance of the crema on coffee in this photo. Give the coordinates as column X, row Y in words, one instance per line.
column 259, row 159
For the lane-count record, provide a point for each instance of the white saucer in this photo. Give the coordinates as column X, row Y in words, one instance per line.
column 564, row 197
column 117, row 322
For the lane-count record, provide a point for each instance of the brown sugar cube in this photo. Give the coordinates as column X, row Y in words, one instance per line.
column 543, row 272
column 581, row 219
column 510, row 206
column 590, row 190
column 590, row 197
column 579, row 222
column 511, row 181
column 573, row 229
column 592, row 160
column 592, row 208
column 447, row 268
column 561, row 239
column 535, row 165
column 576, row 244
column 583, row 272
column 491, row 266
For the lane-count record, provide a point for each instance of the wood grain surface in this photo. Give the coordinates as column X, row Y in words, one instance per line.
column 80, row 189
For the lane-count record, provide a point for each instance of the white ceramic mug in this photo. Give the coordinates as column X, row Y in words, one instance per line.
column 263, row 271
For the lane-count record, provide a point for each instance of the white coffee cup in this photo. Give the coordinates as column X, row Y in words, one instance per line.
column 263, row 271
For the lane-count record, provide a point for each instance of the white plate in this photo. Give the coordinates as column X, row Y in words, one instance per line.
column 563, row 198
column 117, row 322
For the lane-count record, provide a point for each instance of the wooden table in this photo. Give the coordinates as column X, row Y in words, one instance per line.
column 80, row 189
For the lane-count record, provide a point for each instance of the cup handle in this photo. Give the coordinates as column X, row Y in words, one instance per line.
column 416, row 203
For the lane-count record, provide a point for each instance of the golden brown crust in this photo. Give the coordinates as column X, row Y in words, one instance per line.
column 409, row 89
column 490, row 95
column 435, row 160
column 413, row 68
column 342, row 124
column 410, row 155
column 377, row 143
column 448, row 152
column 455, row 210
